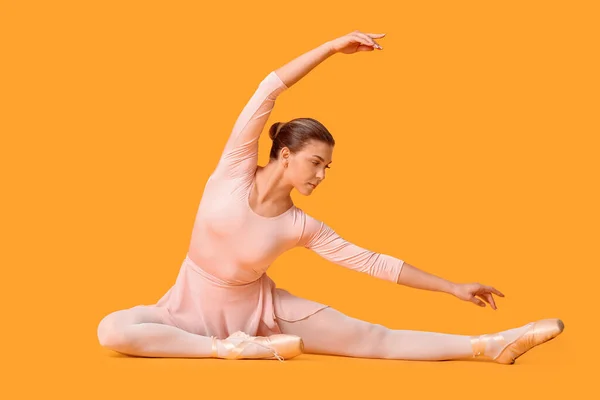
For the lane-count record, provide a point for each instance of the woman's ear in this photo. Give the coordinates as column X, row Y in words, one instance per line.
column 286, row 158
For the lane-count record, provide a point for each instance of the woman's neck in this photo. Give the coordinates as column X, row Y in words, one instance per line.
column 270, row 188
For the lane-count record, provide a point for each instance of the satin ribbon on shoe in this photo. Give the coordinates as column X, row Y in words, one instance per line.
column 215, row 352
column 479, row 343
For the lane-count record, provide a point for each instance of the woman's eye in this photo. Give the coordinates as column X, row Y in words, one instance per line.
column 317, row 163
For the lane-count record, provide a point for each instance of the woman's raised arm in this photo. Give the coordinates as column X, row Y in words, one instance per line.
column 240, row 156
column 353, row 42
column 296, row 69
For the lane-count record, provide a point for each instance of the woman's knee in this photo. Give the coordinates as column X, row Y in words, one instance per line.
column 112, row 328
column 110, row 332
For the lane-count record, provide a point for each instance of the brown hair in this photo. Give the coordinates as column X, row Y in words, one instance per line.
column 295, row 134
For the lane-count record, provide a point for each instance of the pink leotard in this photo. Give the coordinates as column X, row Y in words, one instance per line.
column 222, row 286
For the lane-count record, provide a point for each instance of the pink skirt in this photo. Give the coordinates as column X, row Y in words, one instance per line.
column 203, row 304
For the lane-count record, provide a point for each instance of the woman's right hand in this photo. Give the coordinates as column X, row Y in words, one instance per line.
column 468, row 291
column 356, row 41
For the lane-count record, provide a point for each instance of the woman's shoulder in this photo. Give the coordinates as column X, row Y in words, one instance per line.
column 311, row 226
column 308, row 218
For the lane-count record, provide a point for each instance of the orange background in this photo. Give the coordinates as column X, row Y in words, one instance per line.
column 467, row 147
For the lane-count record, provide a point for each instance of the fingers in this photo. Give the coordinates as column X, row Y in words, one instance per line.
column 377, row 35
column 490, row 299
column 494, row 290
column 366, row 39
column 362, row 38
column 478, row 302
column 364, row 47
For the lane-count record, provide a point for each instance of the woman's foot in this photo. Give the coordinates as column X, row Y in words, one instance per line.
column 505, row 347
column 240, row 345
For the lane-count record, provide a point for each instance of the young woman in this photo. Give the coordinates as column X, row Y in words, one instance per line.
column 224, row 305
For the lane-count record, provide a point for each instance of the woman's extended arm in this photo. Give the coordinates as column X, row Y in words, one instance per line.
column 413, row 277
column 416, row 278
column 319, row 237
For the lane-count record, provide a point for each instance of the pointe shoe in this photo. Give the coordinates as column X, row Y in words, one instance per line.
column 539, row 332
column 279, row 346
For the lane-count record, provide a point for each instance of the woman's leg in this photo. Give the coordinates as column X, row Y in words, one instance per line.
column 147, row 331
column 330, row 332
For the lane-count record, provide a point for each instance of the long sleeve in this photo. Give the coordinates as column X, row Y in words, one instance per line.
column 240, row 155
column 320, row 238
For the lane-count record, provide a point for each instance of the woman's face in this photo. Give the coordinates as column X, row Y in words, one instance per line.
column 307, row 167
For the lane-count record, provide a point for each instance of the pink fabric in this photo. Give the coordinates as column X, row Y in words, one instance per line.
column 222, row 286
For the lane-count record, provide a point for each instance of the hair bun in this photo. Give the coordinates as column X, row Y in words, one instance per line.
column 274, row 131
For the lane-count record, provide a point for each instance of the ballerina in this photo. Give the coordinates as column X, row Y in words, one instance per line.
column 224, row 305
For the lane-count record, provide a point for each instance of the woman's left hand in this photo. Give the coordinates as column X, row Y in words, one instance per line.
column 356, row 41
column 469, row 291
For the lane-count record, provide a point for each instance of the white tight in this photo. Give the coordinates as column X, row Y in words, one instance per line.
column 332, row 332
column 145, row 331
